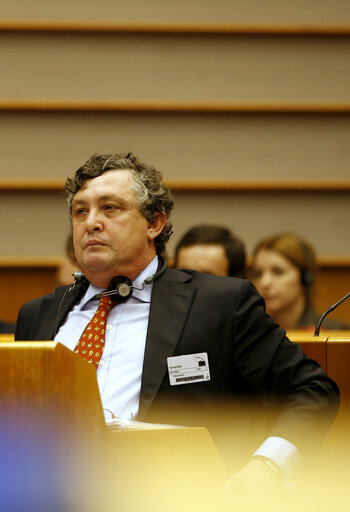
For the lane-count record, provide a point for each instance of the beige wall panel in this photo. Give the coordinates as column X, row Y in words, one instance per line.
column 184, row 146
column 36, row 225
column 134, row 67
column 33, row 224
column 323, row 219
column 234, row 11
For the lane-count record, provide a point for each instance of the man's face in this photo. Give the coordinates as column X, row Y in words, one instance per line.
column 111, row 237
column 209, row 258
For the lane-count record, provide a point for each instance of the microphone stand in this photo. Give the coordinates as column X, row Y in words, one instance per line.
column 319, row 323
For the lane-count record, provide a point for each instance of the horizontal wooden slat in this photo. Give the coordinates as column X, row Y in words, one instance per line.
column 194, row 185
column 31, row 185
column 25, row 262
column 326, row 262
column 334, row 262
column 8, row 104
column 170, row 27
column 261, row 186
column 52, row 262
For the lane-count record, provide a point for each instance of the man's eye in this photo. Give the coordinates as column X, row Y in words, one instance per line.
column 79, row 211
column 110, row 207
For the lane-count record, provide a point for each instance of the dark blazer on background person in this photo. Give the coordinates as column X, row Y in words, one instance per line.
column 7, row 328
column 310, row 317
column 249, row 355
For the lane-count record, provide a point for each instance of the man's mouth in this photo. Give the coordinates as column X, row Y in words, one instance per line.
column 93, row 243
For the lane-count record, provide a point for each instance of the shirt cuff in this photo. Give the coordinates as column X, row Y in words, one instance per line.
column 285, row 454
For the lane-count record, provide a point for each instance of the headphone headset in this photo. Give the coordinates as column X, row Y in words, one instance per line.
column 120, row 288
column 307, row 275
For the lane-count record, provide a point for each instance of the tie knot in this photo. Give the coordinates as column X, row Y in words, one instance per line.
column 106, row 302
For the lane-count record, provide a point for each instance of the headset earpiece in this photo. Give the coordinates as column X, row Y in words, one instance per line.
column 307, row 278
column 122, row 287
column 80, row 279
column 307, row 275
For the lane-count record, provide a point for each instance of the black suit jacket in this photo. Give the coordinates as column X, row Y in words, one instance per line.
column 250, row 357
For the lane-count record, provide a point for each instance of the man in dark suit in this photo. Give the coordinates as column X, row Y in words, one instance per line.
column 180, row 346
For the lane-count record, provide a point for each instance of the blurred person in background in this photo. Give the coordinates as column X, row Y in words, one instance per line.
column 7, row 328
column 283, row 270
column 211, row 249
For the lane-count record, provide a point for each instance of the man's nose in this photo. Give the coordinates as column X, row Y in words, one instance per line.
column 94, row 221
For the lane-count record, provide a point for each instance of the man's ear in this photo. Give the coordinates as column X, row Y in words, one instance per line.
column 157, row 225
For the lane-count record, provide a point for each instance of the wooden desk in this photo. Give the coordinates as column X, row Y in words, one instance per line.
column 313, row 347
column 54, row 434
column 332, row 351
column 7, row 338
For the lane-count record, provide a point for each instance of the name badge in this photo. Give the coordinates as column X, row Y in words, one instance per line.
column 188, row 369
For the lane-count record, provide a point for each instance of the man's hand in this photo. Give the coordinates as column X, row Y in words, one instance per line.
column 254, row 479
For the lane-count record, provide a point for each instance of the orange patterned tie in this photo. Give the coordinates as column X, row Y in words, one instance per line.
column 92, row 342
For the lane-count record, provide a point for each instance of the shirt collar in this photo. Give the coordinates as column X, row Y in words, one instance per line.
column 143, row 294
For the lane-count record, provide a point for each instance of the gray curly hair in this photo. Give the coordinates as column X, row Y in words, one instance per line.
column 151, row 193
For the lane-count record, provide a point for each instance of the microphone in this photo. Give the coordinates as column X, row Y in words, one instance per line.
column 323, row 316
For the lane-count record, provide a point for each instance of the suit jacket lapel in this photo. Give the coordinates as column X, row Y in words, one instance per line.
column 171, row 299
column 54, row 310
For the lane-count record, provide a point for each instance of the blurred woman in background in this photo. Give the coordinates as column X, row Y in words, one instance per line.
column 283, row 271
